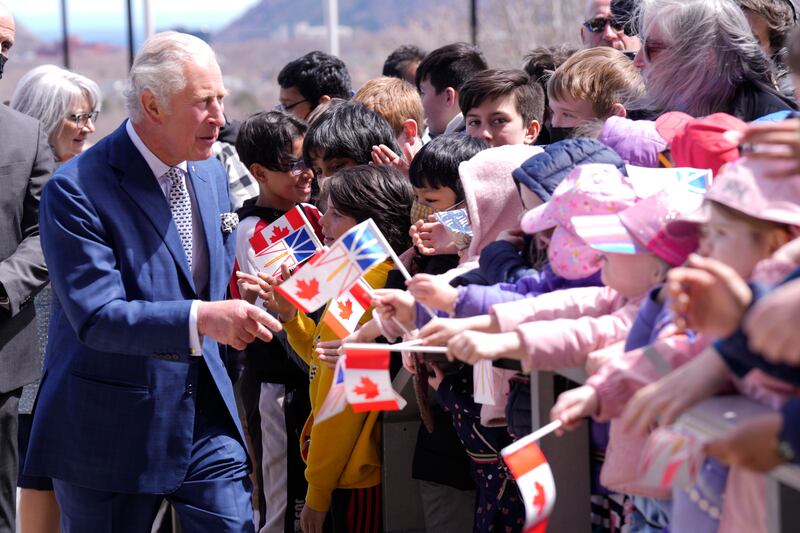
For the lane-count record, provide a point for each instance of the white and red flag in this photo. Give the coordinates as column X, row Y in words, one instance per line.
column 289, row 240
column 534, row 478
column 329, row 274
column 367, row 381
column 344, row 313
column 671, row 458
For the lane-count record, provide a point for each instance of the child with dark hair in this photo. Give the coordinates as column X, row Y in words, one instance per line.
column 274, row 389
column 343, row 454
column 403, row 62
column 311, row 80
column 439, row 79
column 502, row 107
column 343, row 136
column 540, row 64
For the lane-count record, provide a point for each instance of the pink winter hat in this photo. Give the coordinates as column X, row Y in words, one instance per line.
column 643, row 227
column 490, row 192
column 594, row 189
column 743, row 186
column 587, row 190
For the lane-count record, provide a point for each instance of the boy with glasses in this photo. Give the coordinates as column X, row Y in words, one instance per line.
column 311, row 80
column 274, row 388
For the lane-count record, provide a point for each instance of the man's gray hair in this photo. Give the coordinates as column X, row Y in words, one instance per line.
column 158, row 67
column 49, row 93
column 710, row 51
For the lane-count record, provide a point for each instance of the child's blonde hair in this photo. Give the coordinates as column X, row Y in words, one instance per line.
column 602, row 76
column 395, row 100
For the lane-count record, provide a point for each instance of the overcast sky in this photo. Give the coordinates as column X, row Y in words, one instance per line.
column 104, row 17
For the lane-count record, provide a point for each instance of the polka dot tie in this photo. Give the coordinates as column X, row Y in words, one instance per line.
column 181, row 206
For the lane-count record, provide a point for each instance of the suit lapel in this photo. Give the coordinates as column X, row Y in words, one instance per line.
column 205, row 196
column 138, row 182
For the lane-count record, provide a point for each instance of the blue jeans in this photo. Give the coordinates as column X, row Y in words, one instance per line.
column 650, row 515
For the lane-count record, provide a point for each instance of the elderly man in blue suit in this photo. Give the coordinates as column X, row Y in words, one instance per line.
column 135, row 403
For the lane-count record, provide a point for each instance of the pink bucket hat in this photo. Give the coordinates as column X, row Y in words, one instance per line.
column 645, row 227
column 743, row 186
column 587, row 190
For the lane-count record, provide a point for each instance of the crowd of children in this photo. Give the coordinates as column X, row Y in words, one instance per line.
column 587, row 250
column 655, row 285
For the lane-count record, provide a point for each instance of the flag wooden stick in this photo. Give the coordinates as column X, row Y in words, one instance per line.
column 406, row 347
column 399, row 264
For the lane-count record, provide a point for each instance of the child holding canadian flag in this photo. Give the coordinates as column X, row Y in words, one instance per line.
column 343, row 455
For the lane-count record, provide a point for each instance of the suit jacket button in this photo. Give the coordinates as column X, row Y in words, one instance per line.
column 189, row 389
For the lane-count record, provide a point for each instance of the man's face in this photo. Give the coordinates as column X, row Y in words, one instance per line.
column 600, row 10
column 191, row 123
column 8, row 31
column 497, row 121
column 293, row 102
column 436, row 106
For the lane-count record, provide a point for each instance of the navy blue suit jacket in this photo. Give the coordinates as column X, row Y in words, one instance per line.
column 116, row 406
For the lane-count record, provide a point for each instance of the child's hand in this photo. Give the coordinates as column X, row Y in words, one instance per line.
column 708, row 296
column 436, row 379
column 753, row 445
column 665, row 400
column 574, row 405
column 514, row 236
column 250, row 286
column 783, row 137
column 397, row 304
column 438, row 332
column 329, row 352
column 768, row 325
column 431, row 238
column 472, row 346
column 433, row 291
column 383, row 155
column 273, row 300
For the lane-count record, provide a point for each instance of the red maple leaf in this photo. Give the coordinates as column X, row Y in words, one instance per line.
column 307, row 289
column 345, row 309
column 278, row 233
column 539, row 500
column 368, row 388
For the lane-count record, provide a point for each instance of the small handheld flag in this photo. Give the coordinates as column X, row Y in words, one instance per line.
column 344, row 313
column 331, row 273
column 670, row 458
column 336, row 400
column 289, row 240
column 367, row 381
column 534, row 478
column 456, row 223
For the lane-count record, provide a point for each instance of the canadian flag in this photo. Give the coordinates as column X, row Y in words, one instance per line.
column 368, row 383
column 344, row 313
column 289, row 240
column 534, row 478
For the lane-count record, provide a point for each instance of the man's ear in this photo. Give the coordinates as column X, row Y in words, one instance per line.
column 151, row 107
column 259, row 172
column 324, row 99
column 451, row 97
column 533, row 132
column 410, row 130
column 618, row 110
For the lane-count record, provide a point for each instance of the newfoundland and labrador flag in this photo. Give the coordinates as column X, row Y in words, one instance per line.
column 329, row 274
column 367, row 381
column 344, row 313
column 336, row 400
column 289, row 240
column 534, row 478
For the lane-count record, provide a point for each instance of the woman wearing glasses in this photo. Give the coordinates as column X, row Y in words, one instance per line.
column 700, row 57
column 67, row 104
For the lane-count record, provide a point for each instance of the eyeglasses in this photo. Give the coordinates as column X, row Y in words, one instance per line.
column 598, row 24
column 297, row 167
column 287, row 108
column 651, row 49
column 82, row 119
